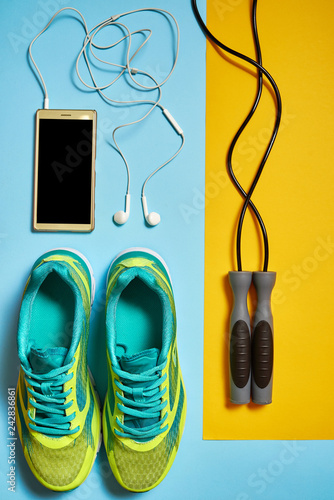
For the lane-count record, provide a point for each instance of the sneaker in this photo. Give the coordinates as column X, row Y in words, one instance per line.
column 145, row 407
column 57, row 411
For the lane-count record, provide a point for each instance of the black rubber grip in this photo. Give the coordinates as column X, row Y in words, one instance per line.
column 240, row 350
column 262, row 354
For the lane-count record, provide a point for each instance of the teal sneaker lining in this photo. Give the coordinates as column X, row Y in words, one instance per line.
column 66, row 335
column 166, row 315
column 52, row 314
column 138, row 318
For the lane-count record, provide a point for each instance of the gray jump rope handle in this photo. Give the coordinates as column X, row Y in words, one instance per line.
column 240, row 339
column 263, row 339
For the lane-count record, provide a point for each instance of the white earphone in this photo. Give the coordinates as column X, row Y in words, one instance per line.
column 122, row 216
column 152, row 218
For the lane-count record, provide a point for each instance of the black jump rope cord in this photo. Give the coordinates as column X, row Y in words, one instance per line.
column 261, row 71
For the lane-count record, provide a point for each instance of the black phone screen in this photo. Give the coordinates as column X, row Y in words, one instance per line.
column 64, row 178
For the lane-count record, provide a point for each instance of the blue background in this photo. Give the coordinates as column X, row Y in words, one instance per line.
column 202, row 469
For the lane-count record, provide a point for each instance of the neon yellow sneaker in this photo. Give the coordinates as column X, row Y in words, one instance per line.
column 57, row 411
column 145, row 407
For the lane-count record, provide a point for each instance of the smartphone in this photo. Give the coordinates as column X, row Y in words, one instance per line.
column 64, row 183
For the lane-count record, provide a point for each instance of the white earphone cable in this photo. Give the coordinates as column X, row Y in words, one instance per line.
column 46, row 96
column 89, row 42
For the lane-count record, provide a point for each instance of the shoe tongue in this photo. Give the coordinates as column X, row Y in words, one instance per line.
column 140, row 362
column 45, row 360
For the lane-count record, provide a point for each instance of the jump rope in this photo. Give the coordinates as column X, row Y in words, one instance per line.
column 89, row 48
column 251, row 354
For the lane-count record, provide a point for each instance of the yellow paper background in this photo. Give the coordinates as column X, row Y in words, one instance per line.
column 295, row 198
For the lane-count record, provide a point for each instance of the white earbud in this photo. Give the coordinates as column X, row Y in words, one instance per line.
column 121, row 217
column 151, row 218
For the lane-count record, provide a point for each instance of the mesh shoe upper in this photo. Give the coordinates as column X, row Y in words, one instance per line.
column 57, row 411
column 140, row 463
column 142, row 469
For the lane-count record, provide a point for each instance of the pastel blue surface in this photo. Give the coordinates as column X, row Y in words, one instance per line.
column 202, row 470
